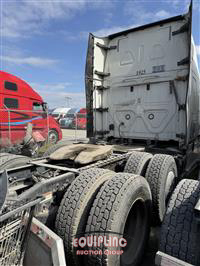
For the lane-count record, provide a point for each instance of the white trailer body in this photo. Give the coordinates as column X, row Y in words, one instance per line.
column 143, row 84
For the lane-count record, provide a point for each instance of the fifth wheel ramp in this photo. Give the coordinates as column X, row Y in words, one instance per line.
column 82, row 153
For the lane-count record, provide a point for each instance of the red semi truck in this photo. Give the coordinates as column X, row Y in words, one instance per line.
column 20, row 105
column 81, row 118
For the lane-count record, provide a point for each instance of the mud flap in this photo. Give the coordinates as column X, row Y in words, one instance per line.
column 44, row 247
column 3, row 188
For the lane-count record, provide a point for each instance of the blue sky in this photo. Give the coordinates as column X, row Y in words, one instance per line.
column 45, row 42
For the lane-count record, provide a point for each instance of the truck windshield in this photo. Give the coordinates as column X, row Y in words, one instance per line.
column 55, row 115
column 69, row 115
column 37, row 107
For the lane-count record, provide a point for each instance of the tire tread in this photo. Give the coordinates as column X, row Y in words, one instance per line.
column 69, row 219
column 137, row 162
column 178, row 231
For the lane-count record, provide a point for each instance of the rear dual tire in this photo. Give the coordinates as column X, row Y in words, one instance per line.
column 179, row 229
column 101, row 200
column 122, row 206
column 161, row 175
column 160, row 171
column 75, row 206
column 137, row 163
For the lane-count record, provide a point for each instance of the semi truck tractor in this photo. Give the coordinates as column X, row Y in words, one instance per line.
column 20, row 104
column 139, row 172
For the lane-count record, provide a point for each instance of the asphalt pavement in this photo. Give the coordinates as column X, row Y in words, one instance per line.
column 74, row 135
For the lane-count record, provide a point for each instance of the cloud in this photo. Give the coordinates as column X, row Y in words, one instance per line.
column 69, row 36
column 107, row 31
column 139, row 13
column 51, row 87
column 196, row 6
column 162, row 14
column 31, row 61
column 140, row 16
column 83, row 35
column 130, row 9
column 198, row 50
column 177, row 4
column 146, row 17
column 24, row 18
column 59, row 99
column 55, row 94
column 108, row 18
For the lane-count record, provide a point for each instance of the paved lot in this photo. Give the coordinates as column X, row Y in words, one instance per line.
column 73, row 135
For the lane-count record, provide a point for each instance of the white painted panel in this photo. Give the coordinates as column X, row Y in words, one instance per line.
column 154, row 113
column 149, row 56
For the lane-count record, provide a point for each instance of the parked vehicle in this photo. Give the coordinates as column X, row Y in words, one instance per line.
column 20, row 105
column 81, row 118
column 50, row 111
column 74, row 118
column 140, row 168
column 68, row 121
column 59, row 113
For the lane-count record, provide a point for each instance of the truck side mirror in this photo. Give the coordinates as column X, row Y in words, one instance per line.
column 45, row 106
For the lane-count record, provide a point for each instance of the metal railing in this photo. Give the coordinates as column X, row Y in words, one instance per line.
column 75, row 122
column 13, row 125
column 15, row 221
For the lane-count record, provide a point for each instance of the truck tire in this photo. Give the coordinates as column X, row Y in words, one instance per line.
column 53, row 136
column 122, row 207
column 55, row 147
column 137, row 163
column 75, row 206
column 179, row 231
column 8, row 161
column 161, row 174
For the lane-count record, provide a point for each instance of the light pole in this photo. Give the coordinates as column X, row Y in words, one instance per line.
column 68, row 99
